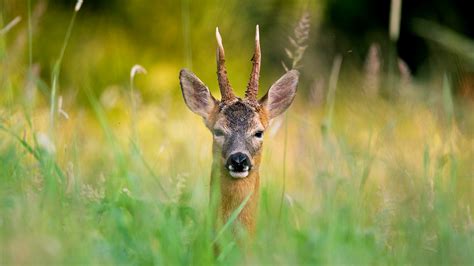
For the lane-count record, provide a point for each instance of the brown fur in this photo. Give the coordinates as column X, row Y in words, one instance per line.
column 232, row 192
column 237, row 126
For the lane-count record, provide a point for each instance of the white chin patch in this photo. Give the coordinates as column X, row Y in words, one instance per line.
column 239, row 174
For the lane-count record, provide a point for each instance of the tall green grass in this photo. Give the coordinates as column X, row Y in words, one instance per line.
column 366, row 182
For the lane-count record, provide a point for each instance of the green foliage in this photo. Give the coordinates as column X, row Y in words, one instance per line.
column 359, row 181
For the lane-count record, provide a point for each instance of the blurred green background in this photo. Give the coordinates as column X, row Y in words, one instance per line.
column 164, row 36
column 372, row 164
column 111, row 36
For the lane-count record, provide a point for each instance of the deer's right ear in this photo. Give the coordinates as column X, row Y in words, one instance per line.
column 196, row 95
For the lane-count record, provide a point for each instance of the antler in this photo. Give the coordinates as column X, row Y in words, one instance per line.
column 224, row 85
column 252, row 87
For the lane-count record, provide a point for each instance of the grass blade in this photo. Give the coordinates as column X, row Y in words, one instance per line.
column 232, row 218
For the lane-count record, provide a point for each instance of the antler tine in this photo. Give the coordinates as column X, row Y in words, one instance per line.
column 252, row 87
column 224, row 85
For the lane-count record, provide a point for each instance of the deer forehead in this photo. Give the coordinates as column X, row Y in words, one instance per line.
column 240, row 116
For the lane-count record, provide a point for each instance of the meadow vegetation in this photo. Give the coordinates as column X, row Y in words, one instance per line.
column 98, row 166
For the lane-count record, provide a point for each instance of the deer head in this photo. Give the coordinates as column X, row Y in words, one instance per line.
column 238, row 125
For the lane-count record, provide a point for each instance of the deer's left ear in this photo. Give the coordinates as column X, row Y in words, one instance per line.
column 281, row 94
column 196, row 95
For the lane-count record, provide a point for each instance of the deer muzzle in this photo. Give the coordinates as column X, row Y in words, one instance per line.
column 239, row 165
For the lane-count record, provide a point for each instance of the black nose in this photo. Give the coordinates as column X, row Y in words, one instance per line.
column 238, row 162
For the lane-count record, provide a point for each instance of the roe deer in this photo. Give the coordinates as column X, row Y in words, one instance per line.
column 238, row 126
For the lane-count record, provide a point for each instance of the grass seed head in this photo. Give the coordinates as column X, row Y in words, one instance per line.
column 78, row 5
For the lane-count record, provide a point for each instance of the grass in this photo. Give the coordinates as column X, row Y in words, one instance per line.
column 387, row 182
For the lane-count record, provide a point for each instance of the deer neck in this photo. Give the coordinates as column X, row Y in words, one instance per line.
column 229, row 193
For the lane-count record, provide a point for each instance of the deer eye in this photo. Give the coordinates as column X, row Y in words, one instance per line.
column 218, row 133
column 259, row 134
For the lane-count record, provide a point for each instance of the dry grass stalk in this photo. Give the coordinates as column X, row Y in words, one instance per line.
column 372, row 69
column 405, row 78
column 18, row 45
column 60, row 108
column 78, row 5
column 298, row 42
column 10, row 25
column 395, row 17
